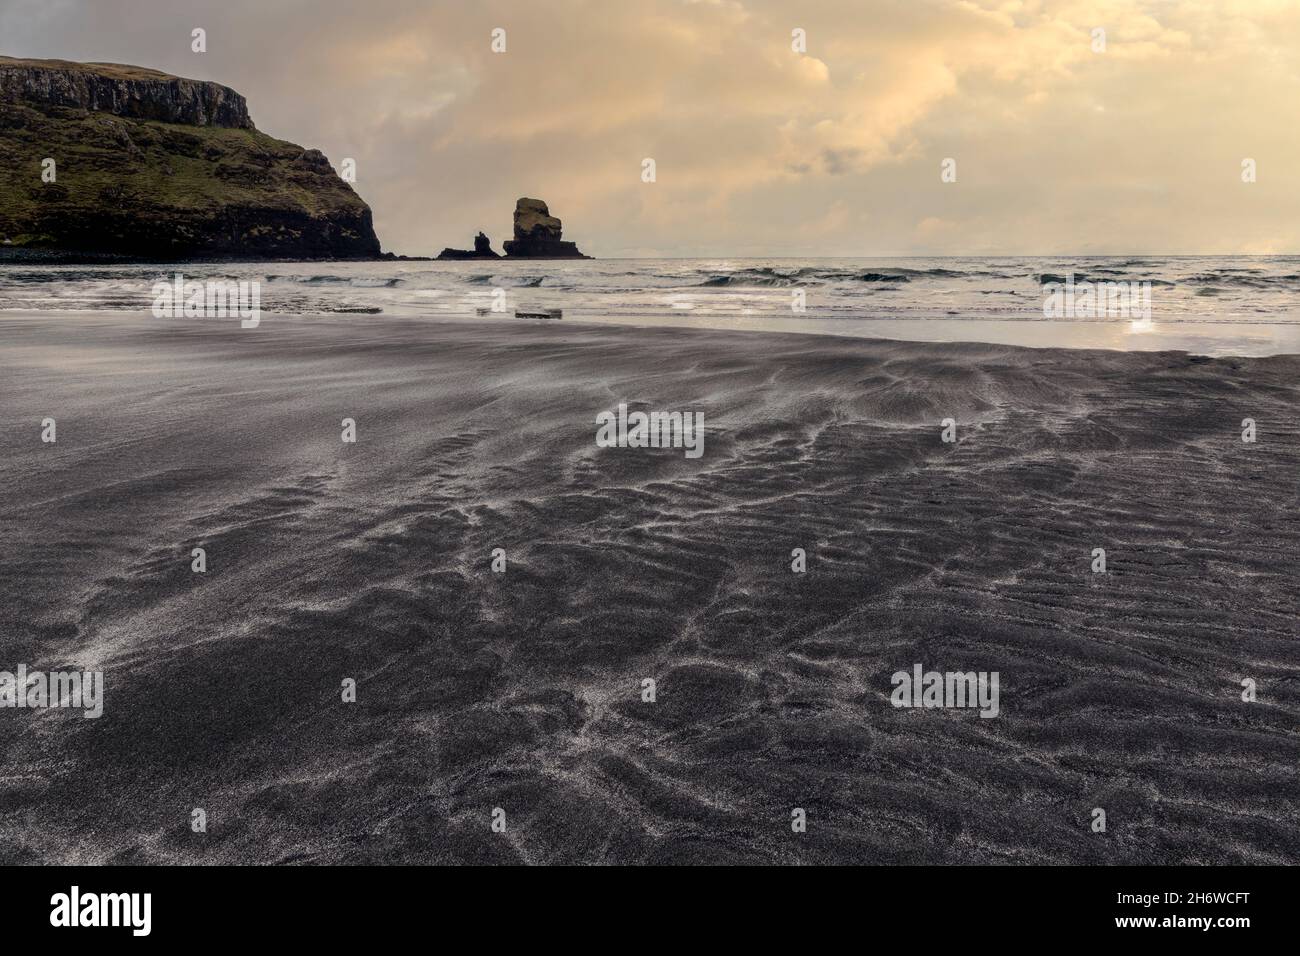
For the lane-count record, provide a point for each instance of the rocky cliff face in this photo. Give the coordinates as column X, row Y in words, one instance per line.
column 126, row 91
column 537, row 234
column 104, row 160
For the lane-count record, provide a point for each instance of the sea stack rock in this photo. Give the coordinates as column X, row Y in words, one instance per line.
column 100, row 161
column 537, row 234
column 482, row 250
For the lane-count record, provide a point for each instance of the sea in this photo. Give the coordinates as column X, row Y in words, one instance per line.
column 1210, row 305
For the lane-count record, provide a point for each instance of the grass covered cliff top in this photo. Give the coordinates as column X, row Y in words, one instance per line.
column 117, row 71
column 106, row 158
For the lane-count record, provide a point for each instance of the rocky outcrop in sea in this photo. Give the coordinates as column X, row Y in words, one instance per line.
column 482, row 250
column 537, row 234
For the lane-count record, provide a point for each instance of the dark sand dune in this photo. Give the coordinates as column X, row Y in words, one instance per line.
column 522, row 690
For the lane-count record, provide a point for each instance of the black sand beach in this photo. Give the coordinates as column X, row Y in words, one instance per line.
column 522, row 690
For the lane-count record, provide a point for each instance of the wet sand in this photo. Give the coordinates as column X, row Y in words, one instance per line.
column 523, row 690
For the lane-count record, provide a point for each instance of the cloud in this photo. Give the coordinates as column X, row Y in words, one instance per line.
column 759, row 148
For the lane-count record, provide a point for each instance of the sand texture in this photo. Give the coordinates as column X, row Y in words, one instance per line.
column 522, row 690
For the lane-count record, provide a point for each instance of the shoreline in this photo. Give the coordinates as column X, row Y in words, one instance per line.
column 776, row 329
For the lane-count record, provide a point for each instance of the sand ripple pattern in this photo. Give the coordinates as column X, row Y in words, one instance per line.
column 522, row 690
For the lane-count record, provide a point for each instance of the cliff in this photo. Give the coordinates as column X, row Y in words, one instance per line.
column 148, row 165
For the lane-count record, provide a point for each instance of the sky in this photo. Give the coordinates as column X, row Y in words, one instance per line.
column 1061, row 144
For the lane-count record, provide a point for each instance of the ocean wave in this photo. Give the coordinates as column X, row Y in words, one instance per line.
column 1232, row 277
column 751, row 277
column 1106, row 275
column 770, row 276
column 310, row 280
column 357, row 282
column 505, row 282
